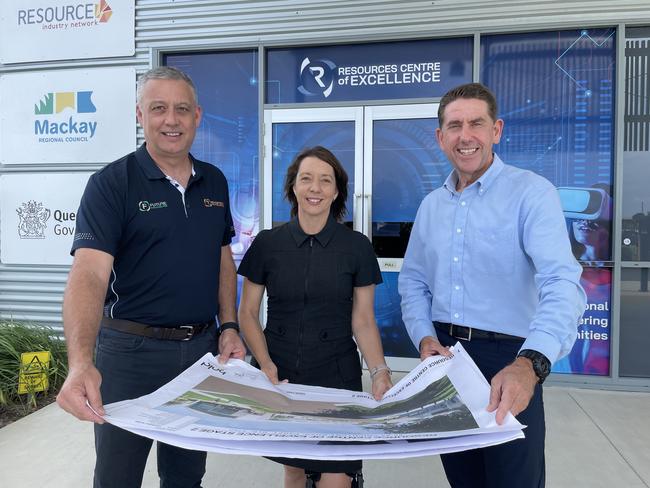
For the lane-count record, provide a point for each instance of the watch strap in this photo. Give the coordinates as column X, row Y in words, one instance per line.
column 541, row 364
column 229, row 325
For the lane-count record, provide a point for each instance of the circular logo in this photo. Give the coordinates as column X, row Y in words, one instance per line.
column 316, row 77
column 627, row 241
column 144, row 206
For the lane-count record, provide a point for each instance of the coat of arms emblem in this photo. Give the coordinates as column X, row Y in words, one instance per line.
column 33, row 220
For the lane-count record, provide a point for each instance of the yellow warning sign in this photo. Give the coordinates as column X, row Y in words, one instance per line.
column 33, row 372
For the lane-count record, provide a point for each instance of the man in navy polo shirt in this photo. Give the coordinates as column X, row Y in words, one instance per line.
column 152, row 269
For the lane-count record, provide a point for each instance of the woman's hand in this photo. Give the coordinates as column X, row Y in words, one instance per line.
column 381, row 383
column 271, row 371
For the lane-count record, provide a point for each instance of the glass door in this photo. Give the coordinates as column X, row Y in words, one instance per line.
column 393, row 161
column 289, row 131
column 402, row 164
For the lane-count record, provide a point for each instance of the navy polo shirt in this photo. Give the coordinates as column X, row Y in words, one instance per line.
column 166, row 246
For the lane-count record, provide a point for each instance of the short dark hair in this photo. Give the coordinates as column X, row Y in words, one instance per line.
column 338, row 209
column 164, row 73
column 469, row 90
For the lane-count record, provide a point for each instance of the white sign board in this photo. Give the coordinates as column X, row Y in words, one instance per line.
column 71, row 116
column 38, row 217
column 45, row 30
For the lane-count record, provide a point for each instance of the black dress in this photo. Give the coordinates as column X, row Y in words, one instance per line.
column 310, row 281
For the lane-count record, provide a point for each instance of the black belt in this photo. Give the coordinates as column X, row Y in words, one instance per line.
column 183, row 332
column 468, row 333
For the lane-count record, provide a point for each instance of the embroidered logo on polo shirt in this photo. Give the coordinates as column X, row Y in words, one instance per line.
column 145, row 206
column 211, row 203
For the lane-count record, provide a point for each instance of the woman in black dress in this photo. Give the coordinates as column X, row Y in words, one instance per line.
column 320, row 280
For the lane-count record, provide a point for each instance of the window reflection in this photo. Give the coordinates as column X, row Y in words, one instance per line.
column 406, row 165
column 291, row 138
column 636, row 207
column 635, row 239
column 635, row 327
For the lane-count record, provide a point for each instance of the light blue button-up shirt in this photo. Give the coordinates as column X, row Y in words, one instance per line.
column 496, row 257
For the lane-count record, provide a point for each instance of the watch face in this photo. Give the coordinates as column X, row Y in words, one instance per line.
column 541, row 365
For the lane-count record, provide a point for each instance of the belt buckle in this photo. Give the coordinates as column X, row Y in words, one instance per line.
column 468, row 338
column 190, row 332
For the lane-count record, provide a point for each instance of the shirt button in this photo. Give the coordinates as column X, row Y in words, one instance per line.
column 463, row 203
column 459, row 230
column 457, row 287
column 456, row 315
column 455, row 259
column 480, row 192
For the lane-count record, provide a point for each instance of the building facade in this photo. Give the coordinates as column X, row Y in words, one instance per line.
column 363, row 78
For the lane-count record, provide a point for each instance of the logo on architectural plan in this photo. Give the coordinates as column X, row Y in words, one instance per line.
column 32, row 220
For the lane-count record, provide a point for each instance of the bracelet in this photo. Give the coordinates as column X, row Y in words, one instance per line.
column 377, row 369
column 229, row 325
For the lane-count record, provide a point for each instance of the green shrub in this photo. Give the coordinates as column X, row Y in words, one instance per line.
column 17, row 338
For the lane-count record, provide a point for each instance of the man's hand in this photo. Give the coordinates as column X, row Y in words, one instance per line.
column 431, row 347
column 512, row 389
column 230, row 346
column 81, row 386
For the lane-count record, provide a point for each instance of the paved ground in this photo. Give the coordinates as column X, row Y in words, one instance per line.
column 595, row 439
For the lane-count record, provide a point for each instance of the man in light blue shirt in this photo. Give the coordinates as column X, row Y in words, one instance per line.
column 489, row 263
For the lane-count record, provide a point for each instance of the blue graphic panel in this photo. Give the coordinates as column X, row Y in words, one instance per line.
column 394, row 337
column 590, row 354
column 289, row 139
column 556, row 94
column 226, row 84
column 378, row 71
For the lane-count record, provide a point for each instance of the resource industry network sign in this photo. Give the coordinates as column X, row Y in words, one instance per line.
column 44, row 30
column 39, row 213
column 71, row 116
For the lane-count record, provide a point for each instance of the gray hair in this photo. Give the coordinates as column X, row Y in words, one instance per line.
column 164, row 73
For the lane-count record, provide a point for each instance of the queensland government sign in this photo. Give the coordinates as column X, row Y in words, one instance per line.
column 39, row 216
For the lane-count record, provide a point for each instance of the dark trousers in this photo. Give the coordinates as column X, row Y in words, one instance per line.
column 132, row 366
column 515, row 464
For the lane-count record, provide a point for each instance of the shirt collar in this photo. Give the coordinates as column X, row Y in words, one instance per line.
column 487, row 178
column 323, row 237
column 153, row 172
column 450, row 182
column 484, row 182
